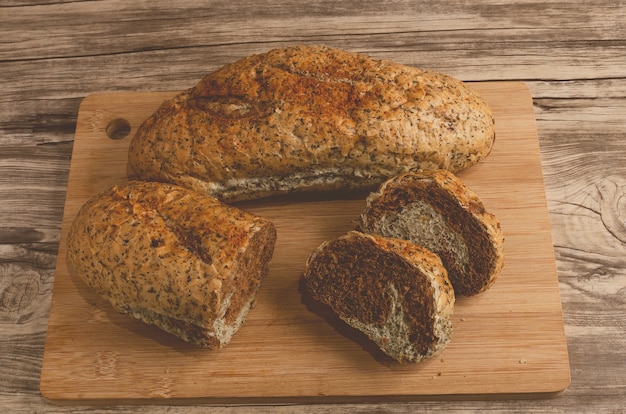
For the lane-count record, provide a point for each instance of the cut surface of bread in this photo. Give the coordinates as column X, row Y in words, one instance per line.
column 435, row 209
column 173, row 258
column 308, row 118
column 395, row 292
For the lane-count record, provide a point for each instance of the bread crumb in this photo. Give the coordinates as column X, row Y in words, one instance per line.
column 522, row 361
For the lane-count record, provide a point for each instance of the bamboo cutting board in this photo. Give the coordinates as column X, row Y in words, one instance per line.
column 507, row 342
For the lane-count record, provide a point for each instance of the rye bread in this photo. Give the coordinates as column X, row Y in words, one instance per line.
column 307, row 118
column 396, row 293
column 435, row 209
column 173, row 258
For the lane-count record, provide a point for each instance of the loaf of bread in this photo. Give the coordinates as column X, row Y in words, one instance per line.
column 435, row 209
column 395, row 292
column 173, row 258
column 310, row 118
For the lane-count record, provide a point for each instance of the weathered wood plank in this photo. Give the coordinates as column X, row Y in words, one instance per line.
column 476, row 42
column 26, row 280
column 571, row 54
column 147, row 25
column 33, row 188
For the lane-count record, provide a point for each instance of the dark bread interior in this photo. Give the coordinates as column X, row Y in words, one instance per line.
column 387, row 288
column 437, row 211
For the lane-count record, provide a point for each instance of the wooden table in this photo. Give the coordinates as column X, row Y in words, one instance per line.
column 572, row 57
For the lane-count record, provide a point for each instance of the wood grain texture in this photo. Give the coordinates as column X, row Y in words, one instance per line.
column 570, row 54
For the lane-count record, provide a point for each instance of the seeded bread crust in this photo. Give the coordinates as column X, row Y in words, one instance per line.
column 173, row 258
column 435, row 209
column 395, row 292
column 310, row 118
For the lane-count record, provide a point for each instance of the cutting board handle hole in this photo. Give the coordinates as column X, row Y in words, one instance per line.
column 118, row 129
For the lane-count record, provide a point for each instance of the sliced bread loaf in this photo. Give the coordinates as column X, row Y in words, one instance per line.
column 395, row 292
column 435, row 209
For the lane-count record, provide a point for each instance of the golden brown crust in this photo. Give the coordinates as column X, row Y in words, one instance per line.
column 172, row 257
column 437, row 210
column 310, row 118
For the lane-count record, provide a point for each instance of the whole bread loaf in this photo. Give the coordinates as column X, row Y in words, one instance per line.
column 435, row 209
column 310, row 118
column 395, row 292
column 173, row 258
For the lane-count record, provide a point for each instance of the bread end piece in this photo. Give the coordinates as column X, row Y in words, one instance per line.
column 435, row 209
column 172, row 258
column 396, row 293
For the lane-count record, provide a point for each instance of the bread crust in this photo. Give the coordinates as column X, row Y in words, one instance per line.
column 437, row 210
column 310, row 118
column 172, row 257
column 395, row 292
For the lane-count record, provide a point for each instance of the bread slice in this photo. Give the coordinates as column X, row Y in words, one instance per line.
column 172, row 258
column 435, row 209
column 395, row 292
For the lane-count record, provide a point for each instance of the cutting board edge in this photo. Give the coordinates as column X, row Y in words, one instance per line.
column 318, row 399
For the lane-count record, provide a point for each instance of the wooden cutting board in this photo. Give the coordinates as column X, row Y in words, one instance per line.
column 507, row 342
